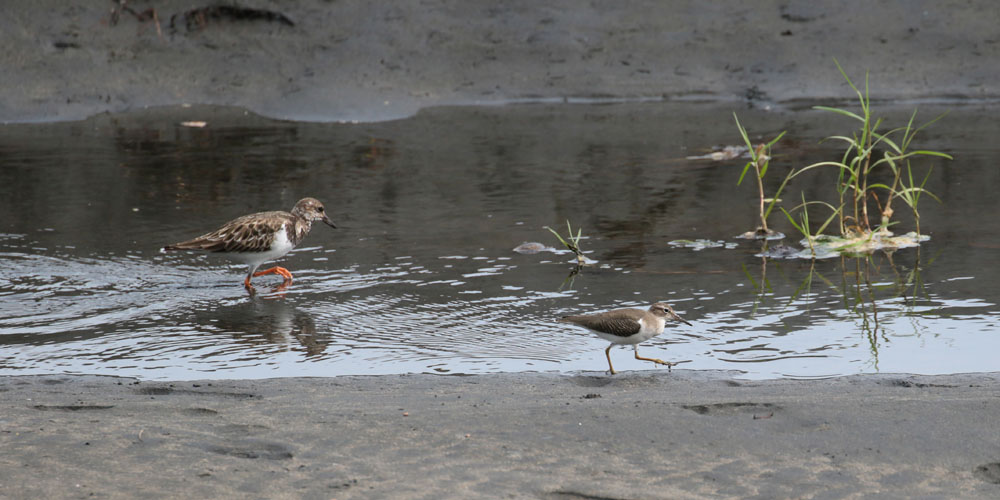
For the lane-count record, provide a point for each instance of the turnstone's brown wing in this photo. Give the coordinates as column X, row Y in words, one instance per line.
column 620, row 322
column 250, row 233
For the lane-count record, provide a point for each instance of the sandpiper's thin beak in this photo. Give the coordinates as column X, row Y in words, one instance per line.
column 328, row 222
column 675, row 317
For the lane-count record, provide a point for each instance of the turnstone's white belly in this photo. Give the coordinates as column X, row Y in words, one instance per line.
column 280, row 245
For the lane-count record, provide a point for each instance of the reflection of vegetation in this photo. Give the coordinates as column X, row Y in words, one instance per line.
column 570, row 278
column 760, row 160
column 760, row 288
column 862, row 286
column 806, row 286
column 911, row 286
column 866, row 310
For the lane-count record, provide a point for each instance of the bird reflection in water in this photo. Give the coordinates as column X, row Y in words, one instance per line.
column 272, row 326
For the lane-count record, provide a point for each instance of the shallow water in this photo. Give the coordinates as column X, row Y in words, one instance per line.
column 420, row 276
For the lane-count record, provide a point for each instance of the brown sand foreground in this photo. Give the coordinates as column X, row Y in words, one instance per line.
column 649, row 434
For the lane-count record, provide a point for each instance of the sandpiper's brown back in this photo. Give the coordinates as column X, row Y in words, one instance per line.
column 621, row 322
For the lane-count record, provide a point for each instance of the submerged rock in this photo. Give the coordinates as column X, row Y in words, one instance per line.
column 761, row 234
column 532, row 247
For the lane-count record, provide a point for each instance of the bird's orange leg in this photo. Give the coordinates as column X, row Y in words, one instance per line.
column 274, row 270
column 657, row 361
column 248, row 286
column 607, row 353
column 281, row 286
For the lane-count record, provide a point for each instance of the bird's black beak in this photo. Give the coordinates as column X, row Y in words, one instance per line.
column 675, row 317
column 328, row 222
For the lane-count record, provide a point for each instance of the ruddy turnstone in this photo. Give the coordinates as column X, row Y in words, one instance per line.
column 628, row 326
column 257, row 238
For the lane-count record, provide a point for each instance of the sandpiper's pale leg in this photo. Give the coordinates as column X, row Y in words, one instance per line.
column 657, row 361
column 607, row 352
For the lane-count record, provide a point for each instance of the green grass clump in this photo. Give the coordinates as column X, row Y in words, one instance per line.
column 861, row 158
column 868, row 149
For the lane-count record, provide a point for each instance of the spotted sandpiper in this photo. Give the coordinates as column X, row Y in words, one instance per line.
column 628, row 326
column 257, row 238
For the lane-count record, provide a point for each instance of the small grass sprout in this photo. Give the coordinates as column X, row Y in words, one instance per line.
column 571, row 242
column 802, row 225
column 760, row 160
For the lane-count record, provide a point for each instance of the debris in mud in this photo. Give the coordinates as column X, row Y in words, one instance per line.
column 196, row 19
column 726, row 153
column 988, row 472
column 149, row 14
column 122, row 6
column 194, row 124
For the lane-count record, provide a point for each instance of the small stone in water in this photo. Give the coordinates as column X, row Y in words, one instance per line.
column 531, row 247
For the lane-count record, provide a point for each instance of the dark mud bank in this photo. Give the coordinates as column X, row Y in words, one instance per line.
column 357, row 60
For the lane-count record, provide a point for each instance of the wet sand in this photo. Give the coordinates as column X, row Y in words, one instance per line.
column 648, row 434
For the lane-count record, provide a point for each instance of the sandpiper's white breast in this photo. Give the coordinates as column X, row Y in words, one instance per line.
column 647, row 330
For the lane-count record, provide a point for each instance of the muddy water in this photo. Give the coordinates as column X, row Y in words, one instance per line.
column 420, row 275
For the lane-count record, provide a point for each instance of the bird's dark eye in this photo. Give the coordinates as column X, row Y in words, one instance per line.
column 320, row 209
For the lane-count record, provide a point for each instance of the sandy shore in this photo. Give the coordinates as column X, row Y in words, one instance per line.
column 634, row 435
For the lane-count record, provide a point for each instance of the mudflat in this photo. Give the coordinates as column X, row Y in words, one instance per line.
column 650, row 434
column 359, row 60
